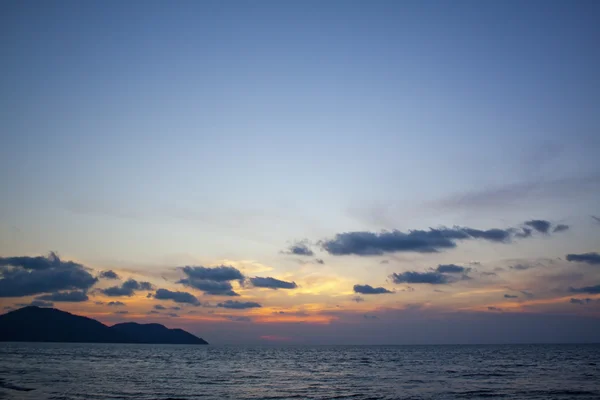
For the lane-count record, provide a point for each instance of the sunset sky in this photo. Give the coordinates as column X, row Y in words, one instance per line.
column 382, row 172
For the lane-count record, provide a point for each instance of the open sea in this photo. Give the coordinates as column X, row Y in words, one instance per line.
column 63, row 371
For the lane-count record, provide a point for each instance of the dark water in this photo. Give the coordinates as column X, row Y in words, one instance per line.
column 98, row 371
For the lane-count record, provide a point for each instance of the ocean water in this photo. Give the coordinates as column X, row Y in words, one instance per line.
column 107, row 371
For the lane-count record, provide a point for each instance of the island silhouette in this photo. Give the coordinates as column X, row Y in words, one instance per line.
column 35, row 324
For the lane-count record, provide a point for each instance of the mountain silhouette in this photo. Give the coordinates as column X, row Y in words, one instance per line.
column 35, row 324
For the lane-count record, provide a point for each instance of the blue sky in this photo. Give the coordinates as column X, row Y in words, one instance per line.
column 143, row 137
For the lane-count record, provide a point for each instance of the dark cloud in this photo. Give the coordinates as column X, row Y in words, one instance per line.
column 272, row 283
column 421, row 241
column 433, row 278
column 370, row 316
column 510, row 296
column 26, row 276
column 116, row 304
column 99, row 303
column 368, row 289
column 121, row 312
column 173, row 315
column 72, row 296
column 319, row 261
column 588, row 258
column 238, row 305
column 539, row 225
column 580, row 301
column 358, row 299
column 221, row 273
column 40, row 303
column 494, row 309
column 128, row 288
column 560, row 228
column 521, row 267
column 300, row 249
column 527, row 294
column 451, row 269
column 153, row 312
column 175, row 308
column 159, row 307
column 210, row 287
column 109, row 275
column 586, row 289
column 178, row 297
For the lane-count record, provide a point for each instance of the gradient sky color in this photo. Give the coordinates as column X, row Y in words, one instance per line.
column 141, row 137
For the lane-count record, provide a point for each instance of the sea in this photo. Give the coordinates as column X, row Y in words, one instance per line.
column 62, row 371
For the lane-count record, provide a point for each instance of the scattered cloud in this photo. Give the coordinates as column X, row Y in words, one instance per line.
column 235, row 318
column 128, row 288
column 238, row 305
column 116, row 304
column 420, row 241
column 510, row 296
column 72, row 296
column 521, row 267
column 300, row 248
column 489, row 274
column 222, row 273
column 370, row 316
column 586, row 289
column 178, row 297
column 153, row 312
column 121, row 312
column 159, row 307
column 26, row 276
column 539, row 225
column 596, row 219
column 524, row 233
column 109, row 275
column 368, row 289
column 588, row 258
column 358, row 299
column 494, row 309
column 210, row 287
column 173, row 315
column 319, row 261
column 580, row 301
column 175, row 308
column 527, row 294
column 560, row 228
column 272, row 283
column 432, row 278
column 451, row 269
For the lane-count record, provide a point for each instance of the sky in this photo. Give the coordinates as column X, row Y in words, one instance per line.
column 306, row 172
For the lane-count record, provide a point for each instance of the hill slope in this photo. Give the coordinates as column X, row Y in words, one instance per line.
column 34, row 324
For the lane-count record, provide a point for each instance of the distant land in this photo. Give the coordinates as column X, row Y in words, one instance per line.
column 35, row 324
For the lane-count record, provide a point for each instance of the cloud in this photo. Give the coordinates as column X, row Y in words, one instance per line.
column 153, row 312
column 451, row 269
column 175, row 308
column 560, row 228
column 420, row 241
column 510, row 296
column 116, row 304
column 525, row 233
column 128, row 288
column 521, row 267
column 597, row 219
column 433, row 278
column 178, row 297
column 319, row 261
column 26, row 276
column 370, row 316
column 272, row 283
column 588, row 258
column 527, row 294
column 580, row 301
column 221, row 273
column 489, row 274
column 235, row 318
column 173, row 315
column 72, row 296
column 494, row 309
column 539, row 225
column 121, row 312
column 586, row 289
column 300, row 248
column 109, row 275
column 238, row 305
column 212, row 280
column 210, row 287
column 358, row 299
column 40, row 303
column 368, row 289
column 159, row 307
